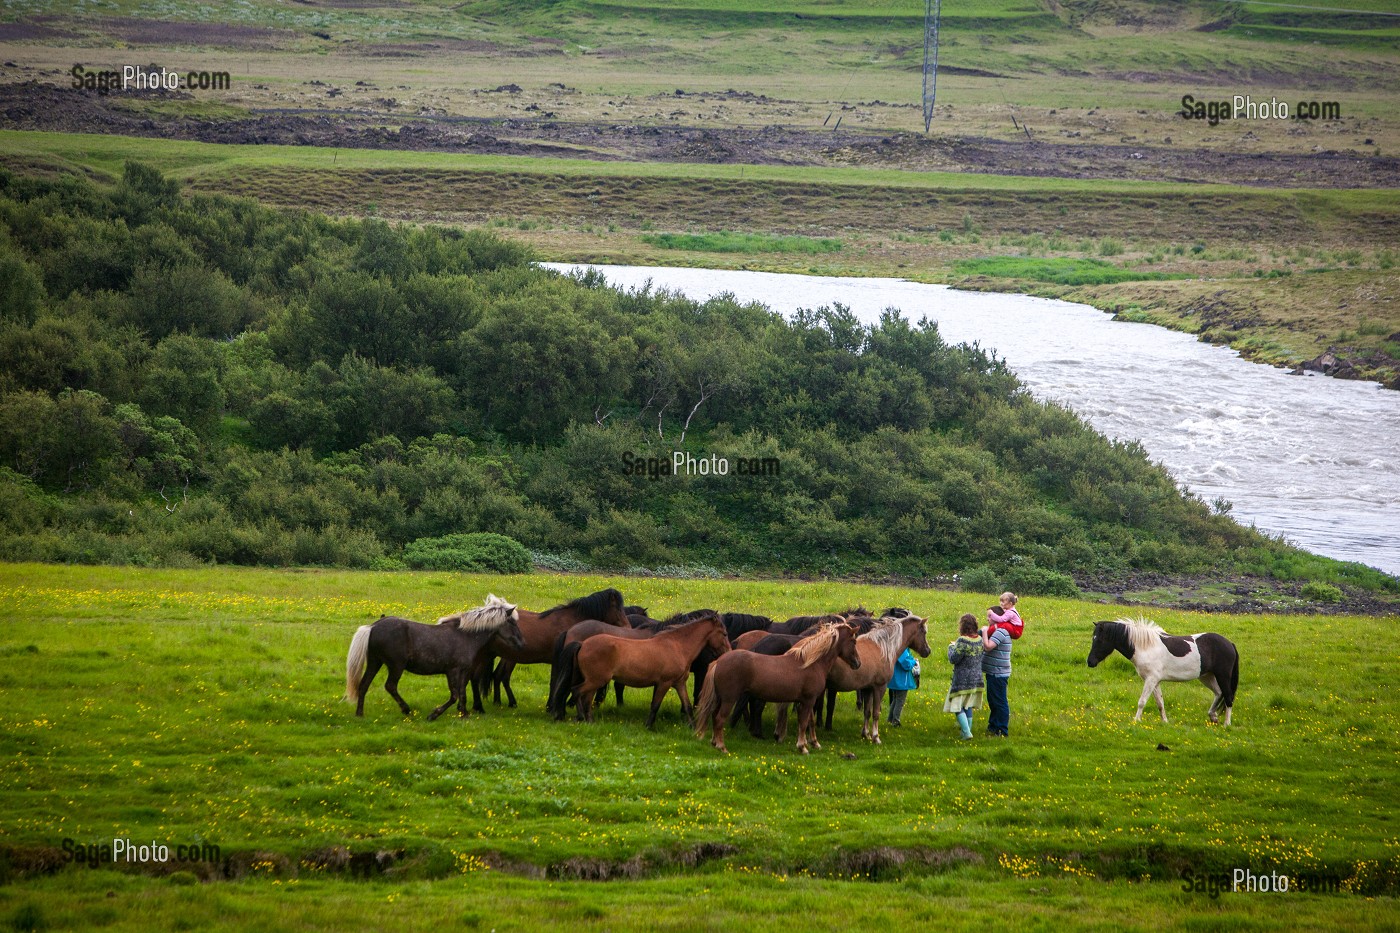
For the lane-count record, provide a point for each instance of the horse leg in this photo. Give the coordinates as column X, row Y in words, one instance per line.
column 756, row 717
column 872, row 712
column 780, row 724
column 1213, row 714
column 722, row 711
column 830, row 706
column 503, row 672
column 1161, row 707
column 392, row 685
column 617, row 692
column 658, row 693
column 1148, row 685
column 805, row 715
column 687, row 706
column 371, row 669
column 481, row 682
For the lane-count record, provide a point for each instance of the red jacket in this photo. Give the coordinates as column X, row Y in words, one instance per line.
column 1009, row 620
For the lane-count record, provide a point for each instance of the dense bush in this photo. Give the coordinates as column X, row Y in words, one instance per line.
column 980, row 580
column 468, row 553
column 195, row 379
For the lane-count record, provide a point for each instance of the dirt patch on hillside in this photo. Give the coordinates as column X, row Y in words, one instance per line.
column 35, row 106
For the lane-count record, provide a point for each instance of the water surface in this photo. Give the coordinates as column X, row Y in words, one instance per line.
column 1316, row 460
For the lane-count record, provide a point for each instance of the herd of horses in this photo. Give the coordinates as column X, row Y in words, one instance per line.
column 738, row 663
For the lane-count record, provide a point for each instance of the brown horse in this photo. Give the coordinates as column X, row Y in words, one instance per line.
column 799, row 676
column 540, row 629
column 879, row 648
column 564, row 664
column 661, row 662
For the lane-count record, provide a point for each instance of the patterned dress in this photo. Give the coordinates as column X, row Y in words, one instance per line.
column 965, row 692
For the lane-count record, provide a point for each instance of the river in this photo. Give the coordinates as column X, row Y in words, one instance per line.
column 1313, row 459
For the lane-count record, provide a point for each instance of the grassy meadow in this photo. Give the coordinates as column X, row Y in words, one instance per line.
column 200, row 706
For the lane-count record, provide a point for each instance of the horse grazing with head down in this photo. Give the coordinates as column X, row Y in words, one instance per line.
column 540, row 629
column 798, row 676
column 453, row 648
column 662, row 662
column 1208, row 657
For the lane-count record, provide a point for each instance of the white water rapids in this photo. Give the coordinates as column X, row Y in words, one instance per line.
column 1314, row 459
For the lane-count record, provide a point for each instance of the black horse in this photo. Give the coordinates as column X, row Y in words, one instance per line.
column 452, row 648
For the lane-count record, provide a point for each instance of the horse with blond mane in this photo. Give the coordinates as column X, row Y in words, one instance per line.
column 799, row 676
column 452, row 647
column 879, row 648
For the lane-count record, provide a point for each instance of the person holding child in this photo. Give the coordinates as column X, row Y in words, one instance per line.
column 965, row 692
column 1004, row 625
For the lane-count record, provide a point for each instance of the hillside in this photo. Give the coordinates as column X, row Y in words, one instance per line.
column 204, row 379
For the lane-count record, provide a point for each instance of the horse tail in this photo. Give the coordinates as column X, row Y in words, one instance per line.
column 569, row 677
column 558, row 689
column 355, row 662
column 706, row 707
column 1234, row 679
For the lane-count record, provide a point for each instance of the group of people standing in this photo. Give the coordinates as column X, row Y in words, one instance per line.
column 975, row 654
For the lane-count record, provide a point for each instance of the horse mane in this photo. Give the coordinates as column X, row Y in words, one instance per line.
column 1141, row 632
column 810, row 650
column 487, row 617
column 887, row 634
column 681, row 618
column 593, row 606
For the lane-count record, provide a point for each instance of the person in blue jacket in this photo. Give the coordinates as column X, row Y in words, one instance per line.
column 906, row 678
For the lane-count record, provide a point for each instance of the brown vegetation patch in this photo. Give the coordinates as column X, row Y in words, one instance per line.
column 173, row 33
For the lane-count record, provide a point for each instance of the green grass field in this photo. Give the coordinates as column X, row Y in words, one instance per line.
column 203, row 706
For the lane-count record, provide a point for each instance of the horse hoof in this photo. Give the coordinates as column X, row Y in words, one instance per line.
column 877, row 741
column 804, row 750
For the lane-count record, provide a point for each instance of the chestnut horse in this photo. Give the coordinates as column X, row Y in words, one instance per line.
column 799, row 676
column 879, row 649
column 540, row 629
column 452, row 649
column 661, row 662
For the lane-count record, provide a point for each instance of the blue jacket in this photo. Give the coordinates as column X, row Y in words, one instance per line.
column 903, row 678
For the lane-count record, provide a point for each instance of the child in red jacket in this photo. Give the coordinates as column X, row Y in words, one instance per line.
column 1005, row 616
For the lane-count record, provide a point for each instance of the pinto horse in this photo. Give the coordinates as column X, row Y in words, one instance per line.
column 453, row 648
column 798, row 676
column 879, row 649
column 662, row 662
column 1208, row 657
column 540, row 629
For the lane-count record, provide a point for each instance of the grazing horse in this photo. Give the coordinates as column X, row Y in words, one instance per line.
column 799, row 676
column 540, row 630
column 1208, row 657
column 662, row 662
column 879, row 649
column 453, row 649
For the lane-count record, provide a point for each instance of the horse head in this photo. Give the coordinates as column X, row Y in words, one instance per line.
column 846, row 645
column 718, row 639
column 1103, row 643
column 919, row 638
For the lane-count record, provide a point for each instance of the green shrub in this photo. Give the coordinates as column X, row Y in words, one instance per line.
column 981, row 579
column 1322, row 592
column 468, row 553
column 1026, row 579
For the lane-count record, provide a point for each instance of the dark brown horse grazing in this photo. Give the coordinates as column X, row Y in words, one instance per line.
column 799, row 676
column 540, row 630
column 661, row 662
column 879, row 649
column 453, row 649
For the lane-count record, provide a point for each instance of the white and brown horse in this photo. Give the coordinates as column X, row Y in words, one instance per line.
column 1210, row 658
